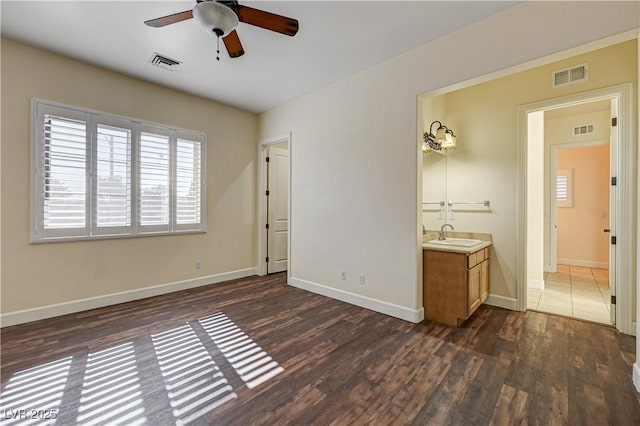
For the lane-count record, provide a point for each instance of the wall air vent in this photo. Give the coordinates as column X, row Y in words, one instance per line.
column 586, row 129
column 570, row 75
column 164, row 62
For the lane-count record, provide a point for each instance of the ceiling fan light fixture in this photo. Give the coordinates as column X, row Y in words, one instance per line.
column 217, row 19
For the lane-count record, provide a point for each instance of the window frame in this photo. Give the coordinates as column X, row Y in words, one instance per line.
column 568, row 175
column 92, row 119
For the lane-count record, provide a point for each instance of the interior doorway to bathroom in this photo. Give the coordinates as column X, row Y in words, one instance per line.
column 576, row 271
column 576, row 152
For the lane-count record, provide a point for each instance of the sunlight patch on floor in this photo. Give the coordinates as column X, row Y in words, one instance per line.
column 194, row 383
column 109, row 387
column 253, row 365
column 36, row 393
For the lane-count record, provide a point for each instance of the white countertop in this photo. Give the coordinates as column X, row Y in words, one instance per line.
column 456, row 249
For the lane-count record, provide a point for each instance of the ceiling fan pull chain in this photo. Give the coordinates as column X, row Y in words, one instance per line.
column 218, row 50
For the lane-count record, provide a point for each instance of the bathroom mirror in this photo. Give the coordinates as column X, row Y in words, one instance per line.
column 434, row 189
column 434, row 165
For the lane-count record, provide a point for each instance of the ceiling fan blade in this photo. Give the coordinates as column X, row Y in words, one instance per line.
column 233, row 45
column 267, row 20
column 170, row 19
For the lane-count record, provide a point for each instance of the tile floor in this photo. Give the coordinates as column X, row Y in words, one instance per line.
column 574, row 291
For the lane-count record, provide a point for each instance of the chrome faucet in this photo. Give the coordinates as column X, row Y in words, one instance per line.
column 441, row 235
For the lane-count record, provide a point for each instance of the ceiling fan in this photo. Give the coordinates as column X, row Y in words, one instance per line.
column 220, row 18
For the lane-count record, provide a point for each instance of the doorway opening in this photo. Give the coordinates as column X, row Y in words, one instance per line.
column 274, row 197
column 577, row 154
column 577, row 280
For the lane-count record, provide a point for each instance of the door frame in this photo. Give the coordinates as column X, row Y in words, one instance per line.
column 625, row 158
column 553, row 212
column 261, row 203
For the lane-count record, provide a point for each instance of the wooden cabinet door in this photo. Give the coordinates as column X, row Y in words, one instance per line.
column 475, row 276
column 484, row 280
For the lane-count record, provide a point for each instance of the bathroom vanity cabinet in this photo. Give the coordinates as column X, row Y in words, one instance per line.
column 455, row 283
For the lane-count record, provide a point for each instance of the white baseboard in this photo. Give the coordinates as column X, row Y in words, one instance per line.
column 585, row 263
column 502, row 302
column 35, row 314
column 539, row 284
column 401, row 312
column 636, row 376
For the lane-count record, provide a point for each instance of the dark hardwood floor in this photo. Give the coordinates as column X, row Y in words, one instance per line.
column 256, row 351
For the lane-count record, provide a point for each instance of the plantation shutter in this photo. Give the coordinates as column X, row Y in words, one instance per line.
column 562, row 188
column 188, row 181
column 62, row 183
column 154, row 174
column 113, row 197
column 564, row 184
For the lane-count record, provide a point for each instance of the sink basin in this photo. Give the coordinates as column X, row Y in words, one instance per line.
column 459, row 242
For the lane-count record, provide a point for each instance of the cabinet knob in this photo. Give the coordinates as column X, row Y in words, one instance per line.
column 606, row 230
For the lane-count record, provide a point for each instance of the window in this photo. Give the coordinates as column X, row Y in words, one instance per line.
column 97, row 175
column 154, row 180
column 564, row 188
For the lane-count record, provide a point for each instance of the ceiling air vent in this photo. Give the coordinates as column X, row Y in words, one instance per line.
column 164, row 62
column 570, row 75
column 587, row 129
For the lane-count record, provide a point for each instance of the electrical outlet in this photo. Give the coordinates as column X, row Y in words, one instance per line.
column 361, row 279
column 343, row 275
column 197, row 264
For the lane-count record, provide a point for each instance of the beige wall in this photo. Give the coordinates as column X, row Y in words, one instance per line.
column 43, row 274
column 485, row 119
column 580, row 236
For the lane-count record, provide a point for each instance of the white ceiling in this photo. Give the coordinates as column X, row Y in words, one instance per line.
column 336, row 39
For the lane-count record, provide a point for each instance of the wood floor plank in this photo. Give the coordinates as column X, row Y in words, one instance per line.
column 511, row 407
column 257, row 351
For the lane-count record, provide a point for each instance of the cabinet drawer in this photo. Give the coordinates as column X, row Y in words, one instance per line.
column 480, row 256
column 472, row 260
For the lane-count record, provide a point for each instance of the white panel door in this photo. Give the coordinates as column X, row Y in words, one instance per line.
column 277, row 209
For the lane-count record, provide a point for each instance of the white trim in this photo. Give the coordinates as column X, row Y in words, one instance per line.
column 626, row 158
column 502, row 302
column 585, row 263
column 636, row 376
column 261, row 236
column 35, row 314
column 114, row 116
column 537, row 284
column 396, row 311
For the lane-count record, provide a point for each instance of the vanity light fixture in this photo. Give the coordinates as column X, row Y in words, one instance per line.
column 442, row 139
